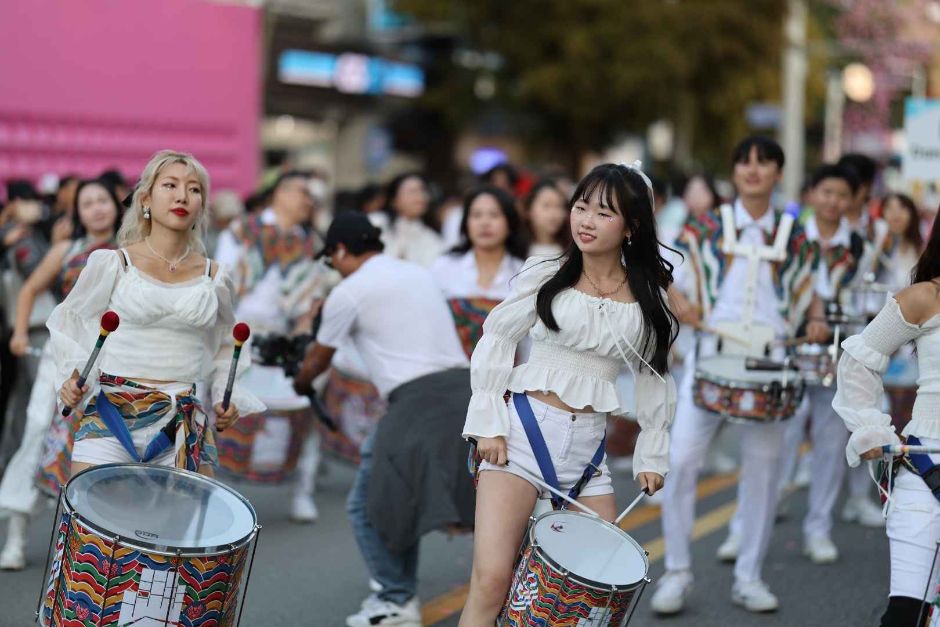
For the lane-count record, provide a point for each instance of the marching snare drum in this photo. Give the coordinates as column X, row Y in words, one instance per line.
column 143, row 545
column 575, row 570
column 724, row 385
column 815, row 363
column 265, row 447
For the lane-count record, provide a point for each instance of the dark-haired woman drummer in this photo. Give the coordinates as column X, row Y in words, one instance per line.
column 601, row 303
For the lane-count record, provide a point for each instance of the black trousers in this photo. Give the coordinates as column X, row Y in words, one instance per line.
column 904, row 612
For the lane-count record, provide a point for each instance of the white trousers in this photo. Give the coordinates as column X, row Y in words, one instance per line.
column 761, row 453
column 913, row 528
column 18, row 492
column 829, row 437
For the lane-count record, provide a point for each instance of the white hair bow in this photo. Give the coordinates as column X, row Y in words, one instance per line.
column 637, row 166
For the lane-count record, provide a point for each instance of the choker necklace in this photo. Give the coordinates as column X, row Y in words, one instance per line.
column 598, row 290
column 172, row 264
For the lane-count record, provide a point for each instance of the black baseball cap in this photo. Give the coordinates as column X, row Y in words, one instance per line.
column 350, row 228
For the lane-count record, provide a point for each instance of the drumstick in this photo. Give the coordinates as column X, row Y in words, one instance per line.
column 909, row 449
column 240, row 332
column 539, row 481
column 722, row 334
column 109, row 322
column 623, row 514
column 558, row 493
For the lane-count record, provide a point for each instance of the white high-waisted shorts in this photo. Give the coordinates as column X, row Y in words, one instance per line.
column 571, row 439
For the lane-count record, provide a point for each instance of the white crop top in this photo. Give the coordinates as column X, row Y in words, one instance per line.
column 860, row 389
column 168, row 332
column 580, row 363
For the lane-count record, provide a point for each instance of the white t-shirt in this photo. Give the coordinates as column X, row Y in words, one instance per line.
column 397, row 318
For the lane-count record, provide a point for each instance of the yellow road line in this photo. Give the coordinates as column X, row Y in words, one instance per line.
column 449, row 603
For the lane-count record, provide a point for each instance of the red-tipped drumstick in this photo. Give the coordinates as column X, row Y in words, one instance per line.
column 240, row 332
column 109, row 322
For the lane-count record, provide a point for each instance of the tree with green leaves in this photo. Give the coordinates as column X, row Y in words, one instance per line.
column 576, row 74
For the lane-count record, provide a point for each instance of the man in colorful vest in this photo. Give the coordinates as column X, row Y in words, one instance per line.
column 748, row 275
column 270, row 256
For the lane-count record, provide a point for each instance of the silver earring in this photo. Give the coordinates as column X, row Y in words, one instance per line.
column 629, row 241
column 146, row 213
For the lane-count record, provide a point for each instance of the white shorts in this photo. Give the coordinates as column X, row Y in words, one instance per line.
column 913, row 528
column 571, row 439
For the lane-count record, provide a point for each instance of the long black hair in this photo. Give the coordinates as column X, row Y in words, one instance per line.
column 648, row 273
column 516, row 243
column 78, row 229
column 391, row 191
column 928, row 266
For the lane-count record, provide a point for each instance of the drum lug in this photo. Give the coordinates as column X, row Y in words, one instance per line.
column 646, row 552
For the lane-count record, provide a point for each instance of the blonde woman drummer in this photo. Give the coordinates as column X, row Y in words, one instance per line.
column 599, row 304
column 176, row 317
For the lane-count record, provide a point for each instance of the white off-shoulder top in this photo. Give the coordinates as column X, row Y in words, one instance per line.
column 168, row 332
column 860, row 390
column 580, row 363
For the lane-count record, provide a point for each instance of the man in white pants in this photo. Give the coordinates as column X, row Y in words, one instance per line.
column 749, row 273
column 841, row 250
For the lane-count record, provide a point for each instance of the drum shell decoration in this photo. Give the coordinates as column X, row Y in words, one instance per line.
column 55, row 463
column 544, row 593
column 97, row 574
column 746, row 401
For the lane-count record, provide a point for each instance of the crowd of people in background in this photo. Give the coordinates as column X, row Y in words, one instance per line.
column 474, row 242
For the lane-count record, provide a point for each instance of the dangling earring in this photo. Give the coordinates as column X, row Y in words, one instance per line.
column 146, row 213
column 629, row 241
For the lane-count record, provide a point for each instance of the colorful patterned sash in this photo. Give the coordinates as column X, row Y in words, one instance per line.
column 469, row 314
column 142, row 406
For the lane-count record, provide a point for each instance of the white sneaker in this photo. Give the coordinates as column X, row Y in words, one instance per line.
column 304, row 510
column 859, row 509
column 820, row 550
column 671, row 591
column 375, row 611
column 728, row 551
column 13, row 556
column 754, row 596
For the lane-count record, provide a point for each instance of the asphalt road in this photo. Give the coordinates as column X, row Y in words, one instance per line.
column 312, row 575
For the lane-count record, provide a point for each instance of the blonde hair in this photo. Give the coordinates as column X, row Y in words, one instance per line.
column 134, row 228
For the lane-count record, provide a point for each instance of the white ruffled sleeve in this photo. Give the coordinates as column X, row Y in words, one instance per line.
column 493, row 358
column 75, row 322
column 860, row 390
column 224, row 344
column 655, row 409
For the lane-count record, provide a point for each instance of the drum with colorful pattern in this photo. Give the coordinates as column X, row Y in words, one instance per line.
column 145, row 545
column 724, row 385
column 575, row 570
column 265, row 447
column 55, row 462
column 356, row 406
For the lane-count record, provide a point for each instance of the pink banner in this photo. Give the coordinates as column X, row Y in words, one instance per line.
column 97, row 84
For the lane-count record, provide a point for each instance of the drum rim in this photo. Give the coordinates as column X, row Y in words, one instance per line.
column 590, row 583
column 165, row 550
column 796, row 382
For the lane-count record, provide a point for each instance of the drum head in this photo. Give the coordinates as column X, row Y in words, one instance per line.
column 590, row 548
column 160, row 508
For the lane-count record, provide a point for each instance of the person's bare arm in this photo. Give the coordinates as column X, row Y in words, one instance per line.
column 316, row 361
